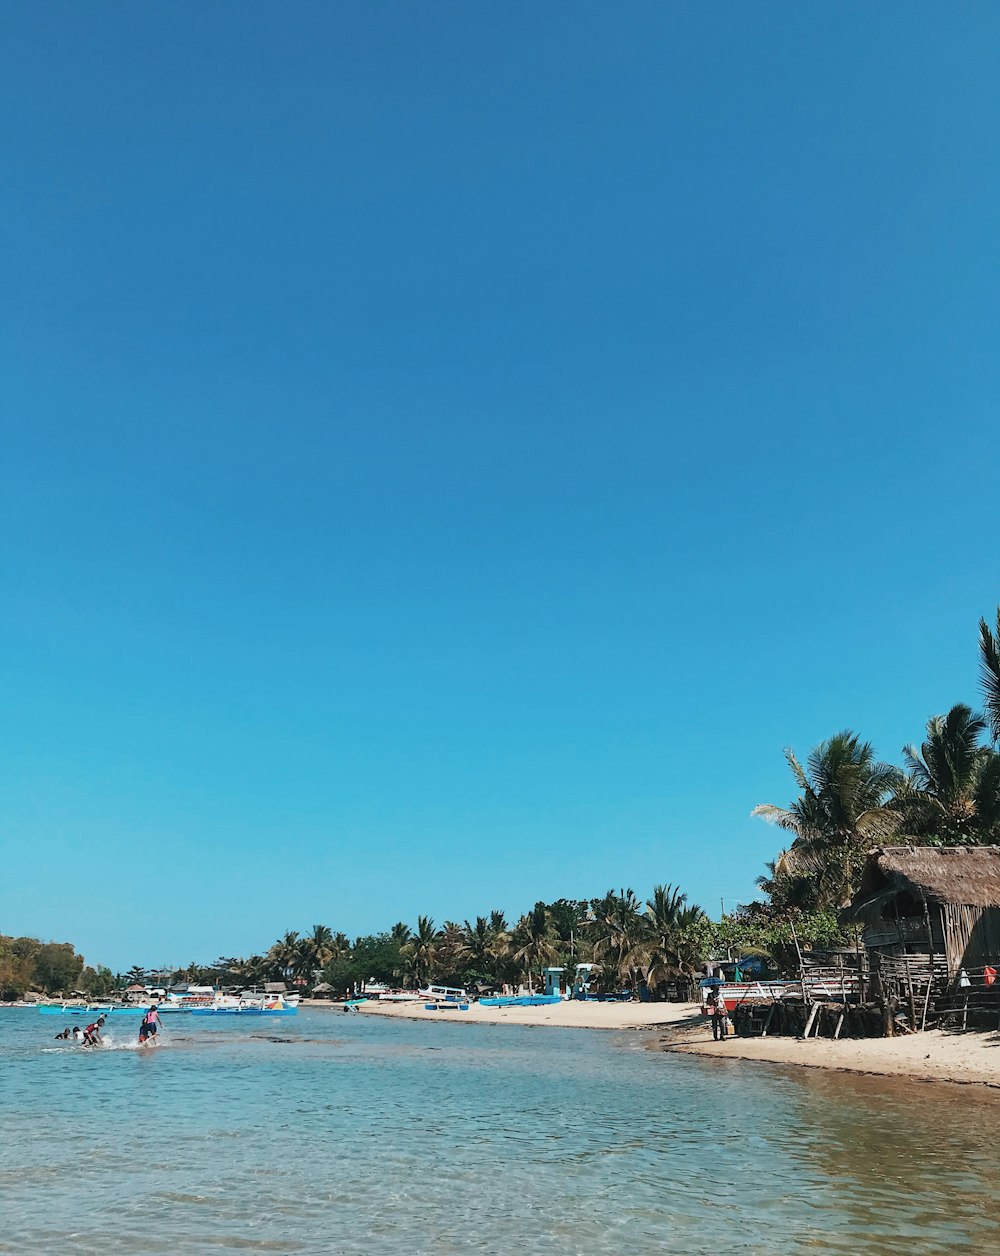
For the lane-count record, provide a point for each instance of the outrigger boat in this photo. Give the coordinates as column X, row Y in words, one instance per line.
column 92, row 1009
column 269, row 1006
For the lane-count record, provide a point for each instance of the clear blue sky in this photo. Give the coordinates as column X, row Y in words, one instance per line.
column 449, row 450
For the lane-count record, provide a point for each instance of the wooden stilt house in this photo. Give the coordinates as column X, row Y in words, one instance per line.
column 931, row 925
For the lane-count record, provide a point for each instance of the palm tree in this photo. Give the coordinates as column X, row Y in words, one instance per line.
column 664, row 910
column 623, row 936
column 400, row 932
column 321, row 947
column 421, row 950
column 989, row 662
column 532, row 944
column 450, row 950
column 840, row 810
column 950, row 792
column 285, row 955
column 477, row 943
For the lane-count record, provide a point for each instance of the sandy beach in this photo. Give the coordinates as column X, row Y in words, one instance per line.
column 971, row 1058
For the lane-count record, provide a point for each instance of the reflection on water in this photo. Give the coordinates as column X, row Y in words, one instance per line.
column 355, row 1134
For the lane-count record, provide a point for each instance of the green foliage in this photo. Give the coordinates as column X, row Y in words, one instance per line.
column 27, row 963
column 377, row 957
column 97, row 983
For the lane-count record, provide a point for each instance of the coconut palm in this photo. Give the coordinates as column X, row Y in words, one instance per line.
column 989, row 662
column 477, row 944
column 450, row 952
column 421, row 950
column 623, row 938
column 665, row 912
column 841, row 808
column 285, row 955
column 788, row 889
column 532, row 944
column 949, row 794
column 320, row 946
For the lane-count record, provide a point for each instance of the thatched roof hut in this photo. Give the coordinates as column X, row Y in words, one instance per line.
column 275, row 987
column 940, row 874
column 937, row 900
column 322, row 991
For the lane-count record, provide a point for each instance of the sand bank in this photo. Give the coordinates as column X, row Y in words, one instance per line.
column 933, row 1056
column 572, row 1014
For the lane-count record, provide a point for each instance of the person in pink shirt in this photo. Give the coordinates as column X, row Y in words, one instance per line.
column 148, row 1028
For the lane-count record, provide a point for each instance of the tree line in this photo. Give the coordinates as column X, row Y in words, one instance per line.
column 655, row 943
column 51, row 967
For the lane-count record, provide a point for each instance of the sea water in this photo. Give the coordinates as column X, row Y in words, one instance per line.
column 358, row 1134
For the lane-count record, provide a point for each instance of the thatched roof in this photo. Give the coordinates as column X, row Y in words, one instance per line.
column 940, row 874
column 275, row 987
column 324, row 987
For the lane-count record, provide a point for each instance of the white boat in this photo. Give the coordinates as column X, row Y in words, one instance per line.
column 266, row 1005
column 400, row 996
column 443, row 994
column 187, row 1000
column 89, row 1010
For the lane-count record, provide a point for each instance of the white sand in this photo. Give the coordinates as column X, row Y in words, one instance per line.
column 575, row 1014
column 933, row 1056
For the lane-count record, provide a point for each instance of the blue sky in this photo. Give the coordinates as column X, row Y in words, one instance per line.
column 449, row 451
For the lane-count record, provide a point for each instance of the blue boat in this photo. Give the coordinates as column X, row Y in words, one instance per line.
column 520, row 1000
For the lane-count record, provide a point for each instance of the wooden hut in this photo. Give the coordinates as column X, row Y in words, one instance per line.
column 931, row 922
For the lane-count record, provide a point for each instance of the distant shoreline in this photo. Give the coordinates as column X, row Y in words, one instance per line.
column 968, row 1059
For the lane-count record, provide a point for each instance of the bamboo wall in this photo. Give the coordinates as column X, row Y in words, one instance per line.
column 971, row 935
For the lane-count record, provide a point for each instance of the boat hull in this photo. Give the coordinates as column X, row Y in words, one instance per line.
column 244, row 1011
column 95, row 1009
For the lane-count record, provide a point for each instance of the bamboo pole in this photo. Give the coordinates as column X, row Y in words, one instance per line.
column 812, row 1017
column 906, row 967
column 802, row 967
column 861, row 975
column 930, row 962
column 840, row 1022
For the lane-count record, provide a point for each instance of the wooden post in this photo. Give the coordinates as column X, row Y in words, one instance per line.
column 930, row 962
column 802, row 968
column 861, row 976
column 812, row 1017
column 840, row 1022
column 763, row 1032
column 906, row 967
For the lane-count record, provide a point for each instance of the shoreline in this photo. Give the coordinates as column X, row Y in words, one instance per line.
column 969, row 1058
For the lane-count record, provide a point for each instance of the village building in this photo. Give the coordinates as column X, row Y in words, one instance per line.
column 930, row 918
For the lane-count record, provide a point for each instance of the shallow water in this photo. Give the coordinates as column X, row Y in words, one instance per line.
column 350, row 1134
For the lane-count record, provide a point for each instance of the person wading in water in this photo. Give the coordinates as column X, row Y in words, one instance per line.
column 92, row 1034
column 148, row 1028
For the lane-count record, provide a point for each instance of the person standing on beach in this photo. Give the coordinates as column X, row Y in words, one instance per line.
column 718, row 1015
column 148, row 1028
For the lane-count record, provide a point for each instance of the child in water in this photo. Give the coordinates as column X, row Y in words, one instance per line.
column 147, row 1030
column 92, row 1034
